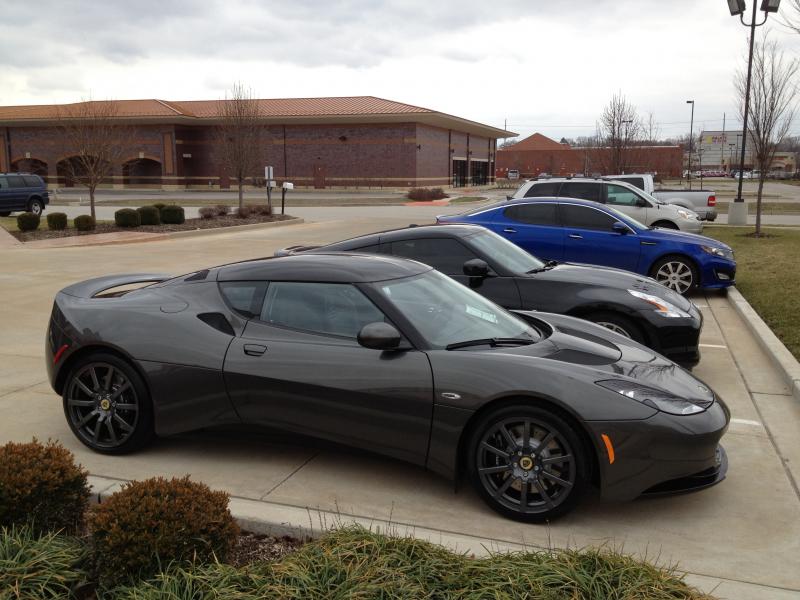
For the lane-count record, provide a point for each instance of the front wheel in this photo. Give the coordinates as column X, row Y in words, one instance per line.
column 107, row 405
column 618, row 324
column 665, row 225
column 527, row 463
column 36, row 207
column 677, row 273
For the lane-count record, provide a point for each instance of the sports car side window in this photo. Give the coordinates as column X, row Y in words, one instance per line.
column 443, row 254
column 245, row 297
column 327, row 308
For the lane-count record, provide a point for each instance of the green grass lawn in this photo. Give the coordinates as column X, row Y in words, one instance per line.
column 466, row 199
column 767, row 208
column 768, row 275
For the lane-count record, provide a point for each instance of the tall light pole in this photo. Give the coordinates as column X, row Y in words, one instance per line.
column 730, row 155
column 738, row 212
column 691, row 141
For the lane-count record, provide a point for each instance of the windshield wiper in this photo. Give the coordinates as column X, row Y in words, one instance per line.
column 493, row 342
column 547, row 266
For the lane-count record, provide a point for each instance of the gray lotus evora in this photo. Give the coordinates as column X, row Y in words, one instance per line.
column 388, row 355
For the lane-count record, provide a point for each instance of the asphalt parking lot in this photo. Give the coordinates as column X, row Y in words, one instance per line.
column 742, row 535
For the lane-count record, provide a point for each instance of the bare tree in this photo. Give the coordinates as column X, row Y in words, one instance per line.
column 652, row 131
column 620, row 129
column 240, row 134
column 772, row 106
column 94, row 141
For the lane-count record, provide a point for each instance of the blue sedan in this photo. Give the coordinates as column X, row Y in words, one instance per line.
column 582, row 231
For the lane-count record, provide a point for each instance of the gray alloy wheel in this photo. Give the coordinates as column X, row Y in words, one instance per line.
column 614, row 327
column 676, row 273
column 35, row 207
column 107, row 406
column 527, row 464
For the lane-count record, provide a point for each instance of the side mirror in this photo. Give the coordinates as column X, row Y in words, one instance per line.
column 476, row 268
column 379, row 336
column 619, row 228
column 641, row 202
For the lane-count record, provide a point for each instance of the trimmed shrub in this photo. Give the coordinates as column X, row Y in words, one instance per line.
column 127, row 217
column 27, row 222
column 41, row 484
column 426, row 194
column 152, row 523
column 57, row 221
column 84, row 223
column 172, row 215
column 38, row 566
column 244, row 212
column 159, row 206
column 149, row 215
column 207, row 212
column 222, row 210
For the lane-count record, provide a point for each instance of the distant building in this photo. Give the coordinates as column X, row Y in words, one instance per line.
column 721, row 150
column 358, row 141
column 539, row 154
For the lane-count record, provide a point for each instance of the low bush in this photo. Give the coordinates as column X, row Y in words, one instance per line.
column 28, row 222
column 159, row 205
column 207, row 212
column 260, row 209
column 41, row 485
column 39, row 566
column 172, row 214
column 426, row 194
column 149, row 215
column 244, row 212
column 127, row 217
column 57, row 221
column 355, row 563
column 84, row 223
column 222, row 210
column 157, row 522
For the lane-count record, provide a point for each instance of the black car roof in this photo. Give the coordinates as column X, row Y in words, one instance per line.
column 415, row 232
column 334, row 267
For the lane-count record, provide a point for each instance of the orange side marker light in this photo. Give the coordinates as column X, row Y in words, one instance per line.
column 609, row 448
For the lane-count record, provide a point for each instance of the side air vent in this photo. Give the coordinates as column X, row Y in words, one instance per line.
column 199, row 276
column 218, row 322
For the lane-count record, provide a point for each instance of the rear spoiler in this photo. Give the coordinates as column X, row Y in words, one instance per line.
column 294, row 250
column 93, row 287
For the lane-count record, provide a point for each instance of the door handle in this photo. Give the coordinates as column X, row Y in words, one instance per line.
column 254, row 349
column 576, row 236
column 509, row 230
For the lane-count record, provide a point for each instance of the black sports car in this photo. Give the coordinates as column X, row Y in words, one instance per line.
column 633, row 305
column 388, row 355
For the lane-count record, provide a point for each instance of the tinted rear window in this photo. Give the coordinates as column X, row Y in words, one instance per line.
column 581, row 190
column 533, row 214
column 539, row 190
column 15, row 181
column 443, row 254
column 32, row 181
column 584, row 217
column 637, row 181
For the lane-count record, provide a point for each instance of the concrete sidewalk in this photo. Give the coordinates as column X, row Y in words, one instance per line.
column 743, row 535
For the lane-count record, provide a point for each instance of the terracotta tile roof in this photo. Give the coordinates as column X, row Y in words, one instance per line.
column 538, row 142
column 282, row 107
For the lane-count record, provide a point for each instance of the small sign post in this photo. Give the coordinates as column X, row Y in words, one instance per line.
column 269, row 180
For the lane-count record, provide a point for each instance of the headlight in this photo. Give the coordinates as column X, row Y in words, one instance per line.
column 664, row 308
column 686, row 214
column 658, row 399
column 721, row 252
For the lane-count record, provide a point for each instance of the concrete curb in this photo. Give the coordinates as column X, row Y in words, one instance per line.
column 779, row 354
column 234, row 228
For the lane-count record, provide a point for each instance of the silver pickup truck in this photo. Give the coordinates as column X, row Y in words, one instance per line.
column 703, row 202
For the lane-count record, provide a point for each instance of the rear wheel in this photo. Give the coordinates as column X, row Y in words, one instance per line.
column 677, row 273
column 665, row 225
column 527, row 463
column 107, row 405
column 35, row 206
column 618, row 324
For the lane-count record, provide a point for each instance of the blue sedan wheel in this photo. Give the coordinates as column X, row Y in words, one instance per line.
column 677, row 273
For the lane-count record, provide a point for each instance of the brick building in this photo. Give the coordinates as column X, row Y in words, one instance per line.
column 315, row 142
column 539, row 154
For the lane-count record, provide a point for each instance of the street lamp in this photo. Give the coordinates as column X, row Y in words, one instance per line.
column 738, row 212
column 691, row 139
column 730, row 155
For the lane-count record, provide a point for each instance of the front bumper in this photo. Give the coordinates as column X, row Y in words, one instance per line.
column 718, row 273
column 656, row 453
column 676, row 338
column 690, row 225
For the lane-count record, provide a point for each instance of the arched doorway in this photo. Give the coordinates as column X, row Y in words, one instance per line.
column 30, row 165
column 141, row 172
column 69, row 170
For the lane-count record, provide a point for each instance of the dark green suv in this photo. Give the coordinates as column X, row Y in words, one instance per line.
column 22, row 192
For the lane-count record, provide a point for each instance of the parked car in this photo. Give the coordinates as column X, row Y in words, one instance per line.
column 387, row 355
column 22, row 192
column 703, row 202
column 582, row 231
column 624, row 197
column 629, row 304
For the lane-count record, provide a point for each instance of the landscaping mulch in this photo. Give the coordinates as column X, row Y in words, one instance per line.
column 251, row 548
column 188, row 225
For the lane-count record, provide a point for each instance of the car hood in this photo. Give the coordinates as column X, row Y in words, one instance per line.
column 683, row 237
column 592, row 275
column 609, row 356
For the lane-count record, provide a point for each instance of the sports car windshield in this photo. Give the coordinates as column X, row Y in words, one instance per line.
column 446, row 313
column 514, row 258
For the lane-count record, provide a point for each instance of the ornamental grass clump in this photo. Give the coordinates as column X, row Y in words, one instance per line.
column 57, row 221
column 157, row 522
column 41, row 485
column 222, row 210
column 39, row 566
column 426, row 194
column 28, row 221
column 207, row 212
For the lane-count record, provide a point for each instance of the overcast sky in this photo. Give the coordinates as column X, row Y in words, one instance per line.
column 547, row 66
